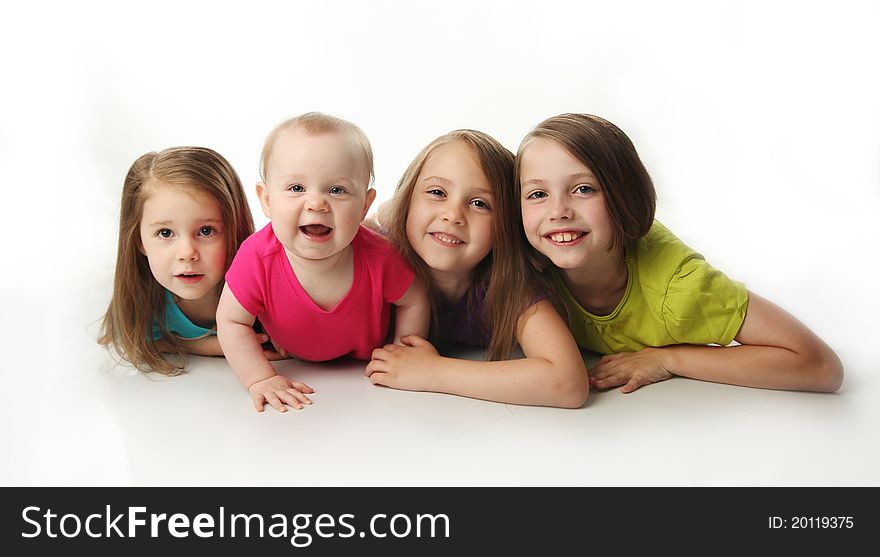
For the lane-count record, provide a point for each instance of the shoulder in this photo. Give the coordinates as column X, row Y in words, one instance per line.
column 369, row 241
column 260, row 244
column 660, row 256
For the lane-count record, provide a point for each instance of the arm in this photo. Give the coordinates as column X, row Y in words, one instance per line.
column 776, row 352
column 413, row 312
column 551, row 374
column 210, row 346
column 235, row 330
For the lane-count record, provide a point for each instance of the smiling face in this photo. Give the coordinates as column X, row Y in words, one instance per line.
column 449, row 223
column 183, row 236
column 316, row 193
column 563, row 206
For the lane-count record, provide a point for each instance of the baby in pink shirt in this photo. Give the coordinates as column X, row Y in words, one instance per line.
column 321, row 284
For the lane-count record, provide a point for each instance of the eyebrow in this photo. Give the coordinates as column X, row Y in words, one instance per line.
column 570, row 177
column 299, row 177
column 169, row 222
column 445, row 181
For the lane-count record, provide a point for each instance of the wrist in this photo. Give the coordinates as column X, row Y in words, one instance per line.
column 253, row 380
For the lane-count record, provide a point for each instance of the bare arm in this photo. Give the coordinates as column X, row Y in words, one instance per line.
column 552, row 373
column 776, row 352
column 413, row 312
column 235, row 330
column 207, row 346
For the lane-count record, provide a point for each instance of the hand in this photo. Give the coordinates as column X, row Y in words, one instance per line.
column 630, row 369
column 406, row 367
column 278, row 354
column 279, row 391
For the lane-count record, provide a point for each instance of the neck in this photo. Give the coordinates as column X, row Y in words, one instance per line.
column 451, row 285
column 202, row 312
column 599, row 284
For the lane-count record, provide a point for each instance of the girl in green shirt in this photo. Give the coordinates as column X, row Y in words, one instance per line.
column 632, row 290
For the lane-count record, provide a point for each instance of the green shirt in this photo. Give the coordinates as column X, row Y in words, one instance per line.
column 672, row 297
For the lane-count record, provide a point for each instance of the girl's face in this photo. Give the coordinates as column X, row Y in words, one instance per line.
column 563, row 207
column 184, row 239
column 449, row 224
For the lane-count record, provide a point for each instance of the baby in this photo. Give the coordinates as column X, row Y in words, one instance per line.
column 321, row 284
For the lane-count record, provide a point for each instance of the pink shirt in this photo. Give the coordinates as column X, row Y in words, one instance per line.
column 265, row 285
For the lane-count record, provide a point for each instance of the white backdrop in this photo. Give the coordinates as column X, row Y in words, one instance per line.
column 759, row 122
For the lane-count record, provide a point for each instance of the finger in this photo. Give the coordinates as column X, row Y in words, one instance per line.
column 262, row 338
column 273, row 356
column 380, row 354
column 298, row 395
column 375, row 366
column 610, row 381
column 290, row 400
column 302, row 387
column 279, row 349
column 632, row 385
column 380, row 378
column 276, row 403
column 259, row 401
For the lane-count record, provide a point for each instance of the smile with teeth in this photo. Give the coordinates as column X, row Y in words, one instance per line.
column 446, row 239
column 564, row 237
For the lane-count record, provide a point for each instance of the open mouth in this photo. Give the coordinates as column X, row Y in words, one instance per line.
column 446, row 239
column 189, row 278
column 316, row 230
column 567, row 237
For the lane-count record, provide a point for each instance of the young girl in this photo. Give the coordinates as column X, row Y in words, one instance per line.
column 321, row 284
column 455, row 219
column 635, row 292
column 182, row 218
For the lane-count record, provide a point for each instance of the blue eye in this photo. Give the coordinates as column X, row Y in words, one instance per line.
column 584, row 189
column 207, row 231
column 537, row 195
column 164, row 233
column 337, row 190
column 298, row 188
column 480, row 204
column 436, row 192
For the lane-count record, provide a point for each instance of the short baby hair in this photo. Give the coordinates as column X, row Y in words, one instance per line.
column 318, row 123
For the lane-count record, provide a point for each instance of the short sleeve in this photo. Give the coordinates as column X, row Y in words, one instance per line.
column 702, row 305
column 243, row 279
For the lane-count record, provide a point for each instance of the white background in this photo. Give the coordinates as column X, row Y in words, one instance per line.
column 759, row 122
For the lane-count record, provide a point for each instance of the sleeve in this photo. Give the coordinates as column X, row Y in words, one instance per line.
column 397, row 276
column 702, row 305
column 244, row 278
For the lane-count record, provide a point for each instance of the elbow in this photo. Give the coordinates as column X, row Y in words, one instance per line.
column 573, row 392
column 828, row 372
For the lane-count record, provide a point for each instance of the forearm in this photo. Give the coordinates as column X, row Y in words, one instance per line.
column 766, row 367
column 411, row 320
column 530, row 381
column 244, row 353
column 207, row 346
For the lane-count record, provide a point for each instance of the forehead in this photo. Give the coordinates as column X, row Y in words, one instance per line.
column 296, row 151
column 456, row 163
column 542, row 155
column 178, row 202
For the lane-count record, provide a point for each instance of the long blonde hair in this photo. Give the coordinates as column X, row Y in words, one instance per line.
column 138, row 300
column 502, row 273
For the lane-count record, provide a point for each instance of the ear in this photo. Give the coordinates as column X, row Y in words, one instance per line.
column 371, row 196
column 263, row 196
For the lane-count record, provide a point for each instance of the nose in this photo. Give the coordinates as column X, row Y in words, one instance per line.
column 452, row 213
column 186, row 250
column 317, row 202
column 560, row 209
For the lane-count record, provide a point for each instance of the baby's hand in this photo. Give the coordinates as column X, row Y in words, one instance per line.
column 630, row 369
column 279, row 391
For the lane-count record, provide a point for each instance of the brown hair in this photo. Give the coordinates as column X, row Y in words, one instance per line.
column 503, row 272
column 138, row 299
column 318, row 123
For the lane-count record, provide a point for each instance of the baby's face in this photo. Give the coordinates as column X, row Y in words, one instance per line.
column 316, row 193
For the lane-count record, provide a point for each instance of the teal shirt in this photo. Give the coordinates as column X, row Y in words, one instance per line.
column 179, row 324
column 673, row 296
